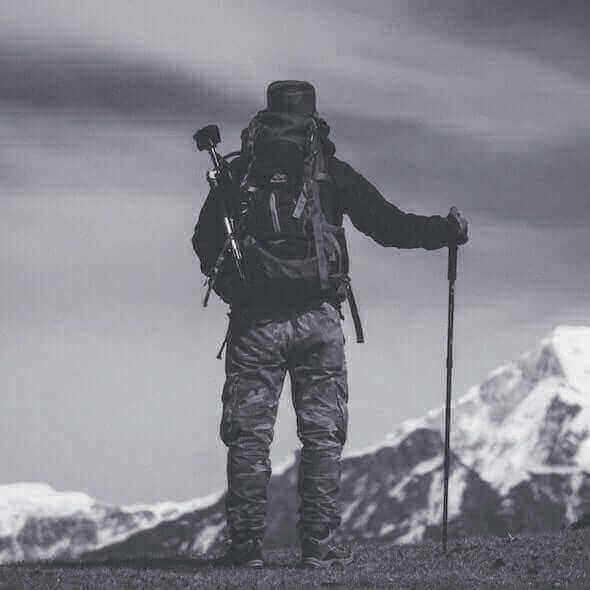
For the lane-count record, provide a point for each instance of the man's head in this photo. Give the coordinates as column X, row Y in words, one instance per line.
column 291, row 96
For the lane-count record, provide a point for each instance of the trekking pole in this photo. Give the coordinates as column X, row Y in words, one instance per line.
column 452, row 275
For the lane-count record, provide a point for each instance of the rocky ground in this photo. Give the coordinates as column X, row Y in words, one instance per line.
column 550, row 560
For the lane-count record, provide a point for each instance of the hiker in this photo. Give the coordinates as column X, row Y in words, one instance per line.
column 289, row 196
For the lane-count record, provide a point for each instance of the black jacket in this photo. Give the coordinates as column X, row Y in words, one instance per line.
column 349, row 194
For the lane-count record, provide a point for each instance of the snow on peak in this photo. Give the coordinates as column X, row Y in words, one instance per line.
column 572, row 348
column 36, row 494
column 529, row 415
column 20, row 501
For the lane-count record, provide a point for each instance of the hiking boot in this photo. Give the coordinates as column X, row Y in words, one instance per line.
column 319, row 554
column 244, row 554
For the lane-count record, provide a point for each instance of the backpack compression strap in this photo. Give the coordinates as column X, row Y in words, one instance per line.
column 312, row 169
column 316, row 170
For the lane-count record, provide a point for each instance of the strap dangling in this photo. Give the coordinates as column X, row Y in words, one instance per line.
column 225, row 341
column 354, row 312
column 209, row 285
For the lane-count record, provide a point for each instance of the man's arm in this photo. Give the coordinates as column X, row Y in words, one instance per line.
column 385, row 223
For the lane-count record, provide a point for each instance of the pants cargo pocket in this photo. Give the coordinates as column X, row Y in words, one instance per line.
column 229, row 398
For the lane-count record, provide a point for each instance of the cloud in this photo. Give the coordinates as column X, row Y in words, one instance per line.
column 93, row 81
column 542, row 185
column 486, row 13
column 386, row 58
column 549, row 31
column 104, row 336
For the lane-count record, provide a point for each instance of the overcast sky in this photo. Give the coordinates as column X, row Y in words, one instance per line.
column 107, row 361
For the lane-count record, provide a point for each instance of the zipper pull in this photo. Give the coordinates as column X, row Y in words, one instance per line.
column 300, row 206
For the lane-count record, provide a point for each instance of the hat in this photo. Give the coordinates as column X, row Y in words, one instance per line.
column 291, row 96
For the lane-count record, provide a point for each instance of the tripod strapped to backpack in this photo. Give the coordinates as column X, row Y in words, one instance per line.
column 219, row 177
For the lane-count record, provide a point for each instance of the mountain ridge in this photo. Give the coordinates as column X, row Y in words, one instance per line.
column 520, row 446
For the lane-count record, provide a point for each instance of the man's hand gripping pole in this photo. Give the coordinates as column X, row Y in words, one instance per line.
column 219, row 177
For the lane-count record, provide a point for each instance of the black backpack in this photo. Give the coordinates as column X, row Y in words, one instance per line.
column 288, row 244
column 291, row 252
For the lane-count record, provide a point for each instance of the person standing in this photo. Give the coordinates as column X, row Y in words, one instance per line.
column 290, row 194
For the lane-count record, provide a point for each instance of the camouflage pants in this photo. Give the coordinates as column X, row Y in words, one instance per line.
column 310, row 347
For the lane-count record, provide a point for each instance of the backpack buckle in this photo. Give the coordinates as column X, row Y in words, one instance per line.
column 279, row 178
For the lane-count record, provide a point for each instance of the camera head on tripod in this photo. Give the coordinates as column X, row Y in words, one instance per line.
column 207, row 138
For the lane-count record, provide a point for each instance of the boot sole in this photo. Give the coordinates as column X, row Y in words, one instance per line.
column 254, row 563
column 323, row 563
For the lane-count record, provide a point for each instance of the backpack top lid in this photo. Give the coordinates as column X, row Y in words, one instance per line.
column 291, row 96
column 290, row 117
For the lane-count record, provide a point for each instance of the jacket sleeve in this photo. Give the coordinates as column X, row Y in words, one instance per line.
column 208, row 238
column 385, row 223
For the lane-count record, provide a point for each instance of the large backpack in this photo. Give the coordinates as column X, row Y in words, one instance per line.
column 287, row 241
column 290, row 249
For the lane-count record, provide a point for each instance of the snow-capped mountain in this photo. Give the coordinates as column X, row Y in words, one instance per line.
column 522, row 436
column 38, row 522
column 520, row 461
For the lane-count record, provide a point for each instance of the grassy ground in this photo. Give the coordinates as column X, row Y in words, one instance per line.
column 552, row 560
